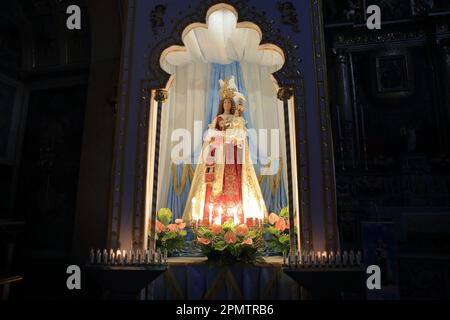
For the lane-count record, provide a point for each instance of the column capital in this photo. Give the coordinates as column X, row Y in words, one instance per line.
column 285, row 93
column 161, row 95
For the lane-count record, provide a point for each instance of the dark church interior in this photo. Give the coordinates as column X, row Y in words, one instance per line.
column 388, row 101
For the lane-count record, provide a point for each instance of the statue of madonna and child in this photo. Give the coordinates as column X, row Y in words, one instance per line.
column 225, row 186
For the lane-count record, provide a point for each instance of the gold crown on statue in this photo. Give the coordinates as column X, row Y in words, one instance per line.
column 227, row 88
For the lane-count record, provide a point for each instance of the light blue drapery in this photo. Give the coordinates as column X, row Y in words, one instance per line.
column 222, row 71
column 177, row 202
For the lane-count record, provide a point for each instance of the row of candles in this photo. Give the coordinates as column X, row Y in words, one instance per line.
column 324, row 259
column 130, row 257
column 254, row 220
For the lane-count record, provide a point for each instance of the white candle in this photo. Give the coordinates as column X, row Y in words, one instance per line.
column 125, row 257
column 105, row 257
column 211, row 206
column 358, row 258
column 202, row 208
column 147, row 257
column 119, row 257
column 91, row 256
column 98, row 256
column 261, row 206
column 331, row 258
column 324, row 258
column 111, row 256
column 159, row 257
column 338, row 258
column 352, row 257
column 194, row 215
column 220, row 215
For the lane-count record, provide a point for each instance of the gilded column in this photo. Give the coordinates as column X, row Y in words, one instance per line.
column 284, row 94
column 160, row 97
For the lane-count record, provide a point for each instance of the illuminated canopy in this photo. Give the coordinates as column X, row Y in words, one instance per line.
column 222, row 40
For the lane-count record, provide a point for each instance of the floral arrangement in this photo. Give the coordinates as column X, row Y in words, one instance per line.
column 277, row 231
column 169, row 236
column 229, row 243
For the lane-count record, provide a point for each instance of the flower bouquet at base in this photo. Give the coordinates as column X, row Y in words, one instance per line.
column 277, row 232
column 169, row 236
column 229, row 243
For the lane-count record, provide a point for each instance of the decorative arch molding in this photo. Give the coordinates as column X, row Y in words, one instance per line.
column 288, row 75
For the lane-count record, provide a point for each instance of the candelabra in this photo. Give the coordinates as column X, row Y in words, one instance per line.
column 123, row 257
column 311, row 259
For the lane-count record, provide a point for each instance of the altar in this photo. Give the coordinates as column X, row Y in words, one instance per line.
column 192, row 278
column 222, row 66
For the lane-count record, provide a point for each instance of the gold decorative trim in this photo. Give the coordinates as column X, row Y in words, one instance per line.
column 169, row 50
column 161, row 95
column 250, row 25
column 221, row 6
column 170, row 82
column 272, row 47
column 285, row 93
column 192, row 26
column 187, row 172
column 274, row 182
column 276, row 86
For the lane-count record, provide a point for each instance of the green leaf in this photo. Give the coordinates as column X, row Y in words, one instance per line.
column 205, row 233
column 284, row 238
column 284, row 212
column 165, row 216
column 220, row 246
column 182, row 233
column 228, row 226
column 169, row 235
column 272, row 230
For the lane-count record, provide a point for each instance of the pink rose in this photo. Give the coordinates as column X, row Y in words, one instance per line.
column 181, row 226
column 242, row 230
column 203, row 241
column 172, row 227
column 229, row 237
column 273, row 218
column 160, row 227
column 280, row 225
column 248, row 241
column 178, row 221
column 216, row 229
